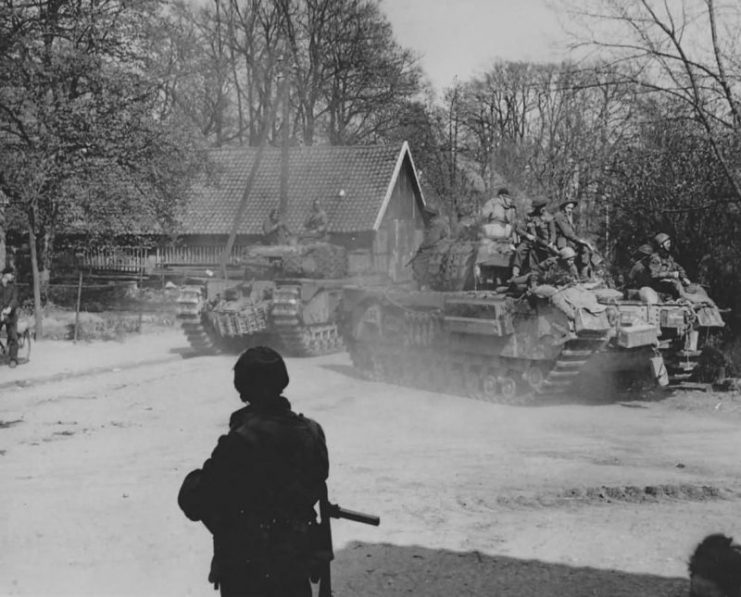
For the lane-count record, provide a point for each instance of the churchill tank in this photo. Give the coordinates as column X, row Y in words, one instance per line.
column 527, row 344
column 288, row 296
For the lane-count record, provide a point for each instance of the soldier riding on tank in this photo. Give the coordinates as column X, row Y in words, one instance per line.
column 666, row 275
column 537, row 239
column 567, row 235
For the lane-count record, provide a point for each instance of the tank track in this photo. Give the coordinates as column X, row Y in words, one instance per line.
column 297, row 338
column 571, row 362
column 190, row 315
column 413, row 359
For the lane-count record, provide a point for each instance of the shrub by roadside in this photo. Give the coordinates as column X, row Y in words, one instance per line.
column 59, row 324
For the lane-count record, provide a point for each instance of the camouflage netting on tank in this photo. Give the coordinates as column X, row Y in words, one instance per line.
column 320, row 260
column 314, row 260
column 449, row 265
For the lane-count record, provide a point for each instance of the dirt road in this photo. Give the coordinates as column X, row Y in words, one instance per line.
column 475, row 499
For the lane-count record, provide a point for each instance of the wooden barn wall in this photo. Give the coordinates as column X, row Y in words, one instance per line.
column 401, row 229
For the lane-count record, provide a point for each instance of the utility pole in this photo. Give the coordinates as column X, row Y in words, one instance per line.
column 262, row 142
column 284, row 142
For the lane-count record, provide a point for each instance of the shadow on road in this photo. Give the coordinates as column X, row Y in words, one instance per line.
column 391, row 570
column 186, row 352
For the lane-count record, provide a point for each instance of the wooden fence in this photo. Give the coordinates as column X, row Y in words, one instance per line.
column 137, row 259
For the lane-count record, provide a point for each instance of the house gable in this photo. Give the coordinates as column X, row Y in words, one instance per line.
column 354, row 185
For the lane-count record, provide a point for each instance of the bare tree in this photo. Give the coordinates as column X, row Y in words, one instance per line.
column 686, row 50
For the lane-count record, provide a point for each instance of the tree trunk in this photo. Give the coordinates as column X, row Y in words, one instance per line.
column 45, row 255
column 38, row 316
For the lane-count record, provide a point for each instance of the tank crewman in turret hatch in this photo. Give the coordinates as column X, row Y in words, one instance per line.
column 257, row 491
column 639, row 274
column 567, row 235
column 274, row 229
column 665, row 273
column 500, row 212
column 316, row 223
column 537, row 239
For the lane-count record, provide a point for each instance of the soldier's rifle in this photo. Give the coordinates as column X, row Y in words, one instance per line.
column 324, row 552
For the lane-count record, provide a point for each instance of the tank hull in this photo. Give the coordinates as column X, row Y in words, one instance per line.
column 500, row 348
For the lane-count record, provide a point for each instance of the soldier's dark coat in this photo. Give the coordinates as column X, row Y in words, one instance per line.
column 256, row 495
column 639, row 275
column 317, row 222
column 9, row 299
column 530, row 253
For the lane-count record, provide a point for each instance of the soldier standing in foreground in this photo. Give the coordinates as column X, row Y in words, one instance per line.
column 256, row 494
column 9, row 312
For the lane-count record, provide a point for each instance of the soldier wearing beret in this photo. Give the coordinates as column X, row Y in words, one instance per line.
column 537, row 237
column 567, row 235
column 257, row 491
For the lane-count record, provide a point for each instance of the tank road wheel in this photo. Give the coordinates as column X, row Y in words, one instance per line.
column 508, row 390
column 490, row 387
column 534, row 378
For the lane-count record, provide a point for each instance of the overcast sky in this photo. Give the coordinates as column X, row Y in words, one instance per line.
column 462, row 37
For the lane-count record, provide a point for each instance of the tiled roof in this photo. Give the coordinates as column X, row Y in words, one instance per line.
column 364, row 172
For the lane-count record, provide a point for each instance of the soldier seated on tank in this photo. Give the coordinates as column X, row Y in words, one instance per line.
column 537, row 239
column 556, row 271
column 639, row 274
column 274, row 229
column 316, row 223
column 665, row 274
column 567, row 235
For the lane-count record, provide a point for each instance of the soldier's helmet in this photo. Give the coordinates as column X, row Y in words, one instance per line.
column 646, row 249
column 567, row 253
column 260, row 366
column 503, row 191
column 661, row 238
column 539, row 203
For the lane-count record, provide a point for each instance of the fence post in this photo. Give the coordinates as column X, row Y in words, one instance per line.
column 77, row 308
column 139, row 293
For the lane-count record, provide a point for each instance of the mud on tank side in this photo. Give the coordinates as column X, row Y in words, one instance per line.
column 499, row 348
